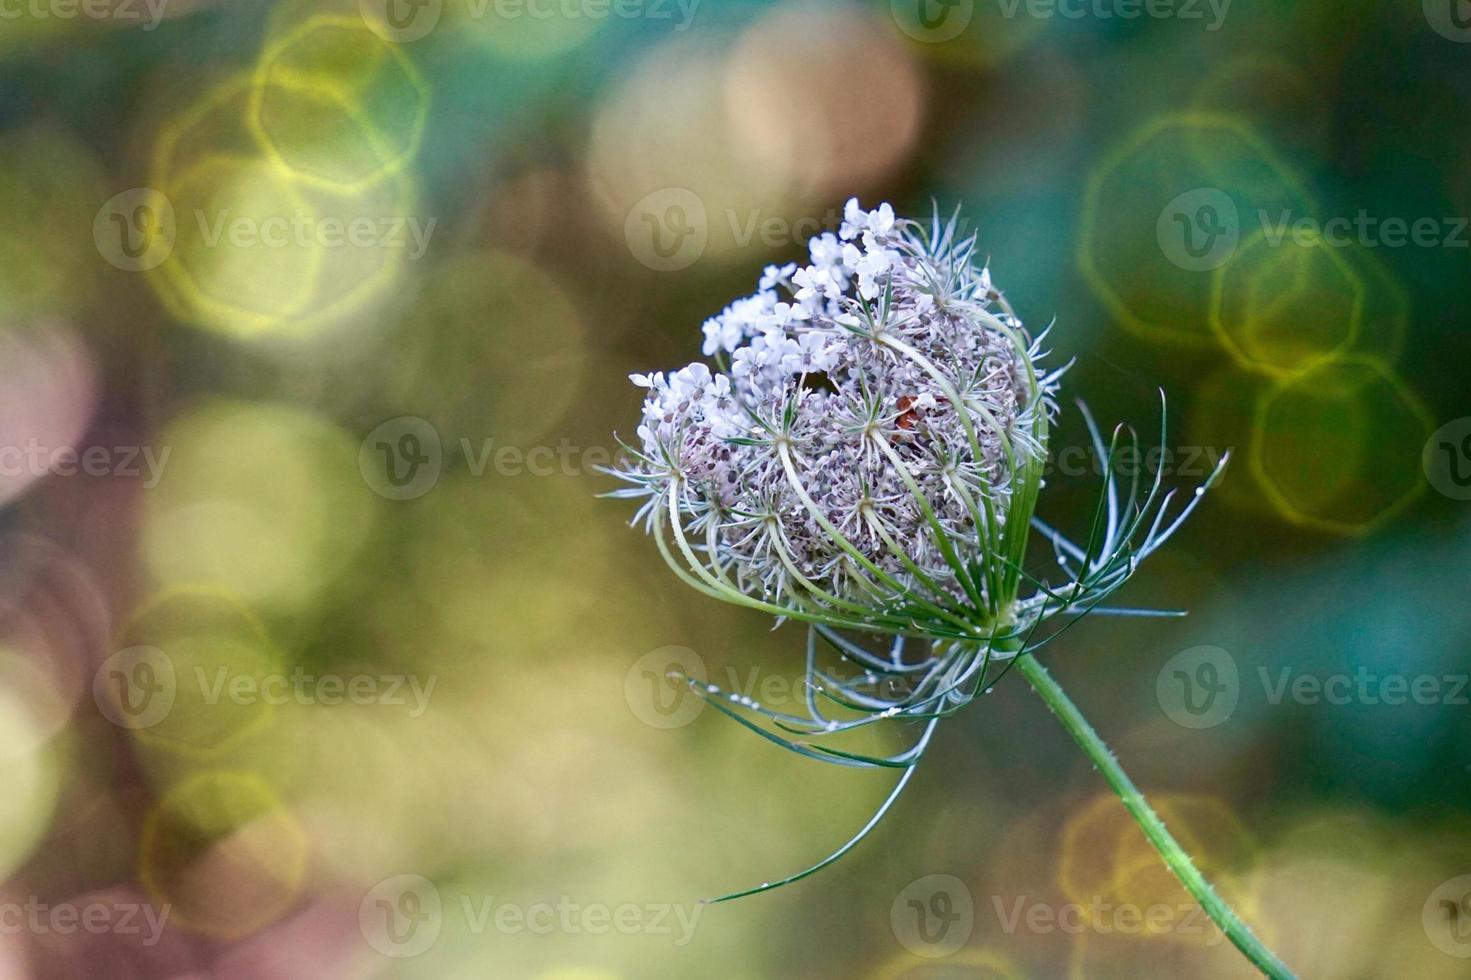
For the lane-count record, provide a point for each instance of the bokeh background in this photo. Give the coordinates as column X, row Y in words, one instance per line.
column 321, row 657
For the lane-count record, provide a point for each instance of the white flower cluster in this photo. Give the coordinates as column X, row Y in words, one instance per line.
column 855, row 443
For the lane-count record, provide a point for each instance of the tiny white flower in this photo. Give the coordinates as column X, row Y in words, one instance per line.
column 870, row 266
column 778, row 348
column 688, row 383
column 773, row 275
column 744, row 362
column 721, row 333
column 881, row 221
column 826, row 251
column 811, row 352
column 815, row 284
column 786, row 315
column 855, row 219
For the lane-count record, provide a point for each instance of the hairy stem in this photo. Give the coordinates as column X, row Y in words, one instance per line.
column 1164, row 842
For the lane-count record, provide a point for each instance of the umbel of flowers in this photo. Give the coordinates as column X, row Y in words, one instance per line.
column 871, row 427
column 863, row 452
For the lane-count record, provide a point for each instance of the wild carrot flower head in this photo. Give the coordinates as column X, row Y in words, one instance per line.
column 864, row 453
column 862, row 440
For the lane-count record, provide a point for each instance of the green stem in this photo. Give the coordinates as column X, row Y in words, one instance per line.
column 1174, row 855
